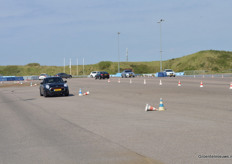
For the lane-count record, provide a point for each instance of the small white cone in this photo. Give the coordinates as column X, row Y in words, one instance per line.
column 80, row 92
column 108, row 80
column 194, row 76
column 231, row 85
column 21, row 82
column 179, row 83
column 160, row 82
column 201, row 85
column 119, row 80
column 130, row 81
column 144, row 82
column 212, row 76
column 31, row 84
column 150, row 108
column 222, row 76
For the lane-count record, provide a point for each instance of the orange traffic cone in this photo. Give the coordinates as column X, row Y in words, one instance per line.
column 150, row 108
column 179, row 83
column 201, row 85
column 86, row 93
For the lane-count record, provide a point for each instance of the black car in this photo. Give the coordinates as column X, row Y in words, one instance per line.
column 64, row 75
column 52, row 86
column 102, row 75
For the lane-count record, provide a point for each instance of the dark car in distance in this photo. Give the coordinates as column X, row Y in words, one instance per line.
column 53, row 86
column 102, row 75
column 64, row 75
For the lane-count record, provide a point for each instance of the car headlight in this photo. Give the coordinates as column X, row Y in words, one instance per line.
column 65, row 85
column 47, row 86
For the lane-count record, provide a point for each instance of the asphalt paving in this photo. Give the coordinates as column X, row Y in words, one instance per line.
column 110, row 125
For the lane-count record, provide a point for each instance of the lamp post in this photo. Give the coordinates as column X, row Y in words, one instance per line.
column 118, row 54
column 161, row 20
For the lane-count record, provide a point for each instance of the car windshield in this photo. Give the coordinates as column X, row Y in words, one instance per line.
column 169, row 70
column 53, row 80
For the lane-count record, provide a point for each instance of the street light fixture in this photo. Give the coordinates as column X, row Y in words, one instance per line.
column 118, row 54
column 161, row 20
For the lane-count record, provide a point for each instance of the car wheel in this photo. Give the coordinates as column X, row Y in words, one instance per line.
column 67, row 93
column 40, row 92
column 45, row 94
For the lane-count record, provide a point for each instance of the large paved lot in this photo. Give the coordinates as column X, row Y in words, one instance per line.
column 111, row 126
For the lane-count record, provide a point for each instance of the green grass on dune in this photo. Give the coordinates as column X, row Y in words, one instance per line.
column 211, row 61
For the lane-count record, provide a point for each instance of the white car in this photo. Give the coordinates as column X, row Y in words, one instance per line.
column 127, row 73
column 93, row 74
column 170, row 72
column 43, row 75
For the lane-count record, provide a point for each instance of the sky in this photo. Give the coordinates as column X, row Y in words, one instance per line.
column 51, row 31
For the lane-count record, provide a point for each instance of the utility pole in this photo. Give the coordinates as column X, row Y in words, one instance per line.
column 64, row 65
column 70, row 66
column 118, row 54
column 83, row 66
column 161, row 20
column 77, row 66
column 127, row 54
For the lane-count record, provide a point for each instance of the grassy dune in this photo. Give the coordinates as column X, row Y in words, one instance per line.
column 211, row 61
